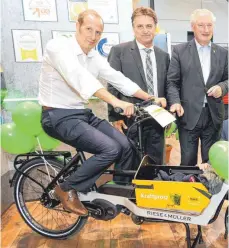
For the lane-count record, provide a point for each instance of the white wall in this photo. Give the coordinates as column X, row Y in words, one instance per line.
column 144, row 3
column 174, row 17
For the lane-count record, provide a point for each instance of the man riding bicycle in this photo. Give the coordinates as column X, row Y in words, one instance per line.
column 68, row 79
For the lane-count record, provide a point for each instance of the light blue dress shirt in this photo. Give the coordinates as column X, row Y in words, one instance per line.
column 204, row 53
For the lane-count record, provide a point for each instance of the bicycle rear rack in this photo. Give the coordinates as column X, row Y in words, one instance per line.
column 21, row 159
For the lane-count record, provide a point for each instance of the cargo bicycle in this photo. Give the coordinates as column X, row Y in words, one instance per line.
column 145, row 199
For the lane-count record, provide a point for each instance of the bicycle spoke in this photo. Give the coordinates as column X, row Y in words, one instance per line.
column 57, row 222
column 34, row 189
column 38, row 204
column 38, row 215
column 51, row 219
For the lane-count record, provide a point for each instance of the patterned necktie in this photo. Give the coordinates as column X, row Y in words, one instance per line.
column 149, row 71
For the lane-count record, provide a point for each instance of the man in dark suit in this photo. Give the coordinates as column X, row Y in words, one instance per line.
column 147, row 66
column 197, row 80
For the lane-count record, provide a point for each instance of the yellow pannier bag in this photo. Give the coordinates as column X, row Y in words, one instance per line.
column 191, row 197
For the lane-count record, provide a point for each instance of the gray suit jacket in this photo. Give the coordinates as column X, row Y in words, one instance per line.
column 126, row 58
column 185, row 83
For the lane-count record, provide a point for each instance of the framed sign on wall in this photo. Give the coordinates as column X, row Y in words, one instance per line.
column 40, row 10
column 107, row 9
column 106, row 42
column 27, row 45
column 68, row 34
column 75, row 7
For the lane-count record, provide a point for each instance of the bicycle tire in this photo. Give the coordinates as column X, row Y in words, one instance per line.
column 25, row 213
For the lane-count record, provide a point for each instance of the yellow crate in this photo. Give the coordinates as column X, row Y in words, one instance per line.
column 178, row 196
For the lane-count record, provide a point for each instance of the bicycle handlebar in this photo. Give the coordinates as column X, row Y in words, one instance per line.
column 118, row 110
column 137, row 106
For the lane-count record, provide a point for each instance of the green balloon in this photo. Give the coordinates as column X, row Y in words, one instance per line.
column 47, row 143
column 8, row 105
column 218, row 157
column 177, row 135
column 27, row 116
column 171, row 129
column 3, row 94
column 14, row 141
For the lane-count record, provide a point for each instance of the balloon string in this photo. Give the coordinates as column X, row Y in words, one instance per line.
column 38, row 141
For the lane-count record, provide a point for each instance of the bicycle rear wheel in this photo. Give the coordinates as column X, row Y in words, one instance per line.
column 41, row 211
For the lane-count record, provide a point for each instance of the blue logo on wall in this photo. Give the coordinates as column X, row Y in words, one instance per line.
column 101, row 47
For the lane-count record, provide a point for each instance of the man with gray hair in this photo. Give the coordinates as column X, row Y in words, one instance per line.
column 196, row 82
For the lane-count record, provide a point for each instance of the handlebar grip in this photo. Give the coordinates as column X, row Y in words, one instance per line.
column 118, row 110
column 147, row 102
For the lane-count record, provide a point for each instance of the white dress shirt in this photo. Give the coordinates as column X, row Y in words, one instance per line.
column 153, row 59
column 69, row 77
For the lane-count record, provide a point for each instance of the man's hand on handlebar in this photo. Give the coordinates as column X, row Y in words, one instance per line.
column 128, row 108
column 119, row 125
column 176, row 107
column 161, row 101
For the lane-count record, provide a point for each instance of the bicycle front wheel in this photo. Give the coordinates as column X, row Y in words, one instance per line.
column 41, row 212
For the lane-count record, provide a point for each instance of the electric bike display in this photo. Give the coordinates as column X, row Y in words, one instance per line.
column 145, row 199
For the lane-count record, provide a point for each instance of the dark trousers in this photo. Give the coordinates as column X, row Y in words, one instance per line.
column 226, row 111
column 84, row 131
column 189, row 139
column 152, row 140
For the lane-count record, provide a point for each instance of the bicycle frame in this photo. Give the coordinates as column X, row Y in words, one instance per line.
column 79, row 157
column 140, row 148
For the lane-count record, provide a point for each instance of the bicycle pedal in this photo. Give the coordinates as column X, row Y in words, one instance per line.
column 52, row 195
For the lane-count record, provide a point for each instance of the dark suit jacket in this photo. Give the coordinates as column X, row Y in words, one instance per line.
column 185, row 83
column 126, row 58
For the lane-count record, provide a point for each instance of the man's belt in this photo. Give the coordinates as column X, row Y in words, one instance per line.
column 46, row 108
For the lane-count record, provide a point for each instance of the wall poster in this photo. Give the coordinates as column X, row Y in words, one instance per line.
column 75, row 7
column 68, row 34
column 27, row 45
column 107, row 9
column 40, row 10
column 106, row 42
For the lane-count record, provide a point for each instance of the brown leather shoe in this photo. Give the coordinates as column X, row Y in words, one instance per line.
column 70, row 201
